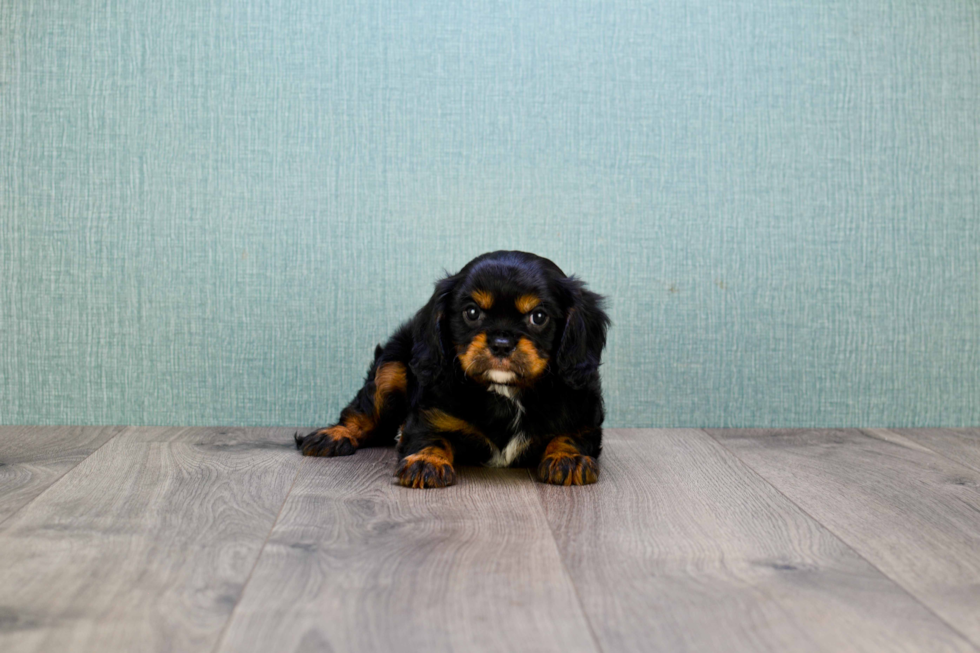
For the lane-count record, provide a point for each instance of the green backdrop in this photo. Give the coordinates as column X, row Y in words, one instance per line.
column 210, row 211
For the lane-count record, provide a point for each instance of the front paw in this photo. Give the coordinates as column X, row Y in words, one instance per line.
column 568, row 469
column 421, row 470
column 331, row 441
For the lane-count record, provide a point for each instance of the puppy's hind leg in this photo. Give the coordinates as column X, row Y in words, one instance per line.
column 372, row 417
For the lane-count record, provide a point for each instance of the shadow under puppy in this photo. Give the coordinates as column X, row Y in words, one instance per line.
column 500, row 368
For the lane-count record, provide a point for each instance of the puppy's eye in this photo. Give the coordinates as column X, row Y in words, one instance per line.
column 472, row 314
column 539, row 318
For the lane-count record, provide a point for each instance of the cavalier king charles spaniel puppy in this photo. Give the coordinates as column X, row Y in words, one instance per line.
column 499, row 368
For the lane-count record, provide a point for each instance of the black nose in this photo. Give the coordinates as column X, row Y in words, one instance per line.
column 501, row 345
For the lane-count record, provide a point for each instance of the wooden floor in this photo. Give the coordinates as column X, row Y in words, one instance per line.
column 213, row 539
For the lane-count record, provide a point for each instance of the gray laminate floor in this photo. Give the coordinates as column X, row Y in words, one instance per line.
column 214, row 539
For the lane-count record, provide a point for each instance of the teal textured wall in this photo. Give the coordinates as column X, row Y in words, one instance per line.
column 211, row 211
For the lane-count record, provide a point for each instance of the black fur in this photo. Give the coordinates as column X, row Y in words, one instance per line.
column 451, row 414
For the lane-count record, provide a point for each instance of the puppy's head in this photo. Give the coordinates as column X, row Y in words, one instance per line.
column 508, row 318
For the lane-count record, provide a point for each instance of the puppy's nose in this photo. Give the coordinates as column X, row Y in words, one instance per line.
column 501, row 345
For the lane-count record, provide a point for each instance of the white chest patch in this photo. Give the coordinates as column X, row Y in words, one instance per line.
column 503, row 390
column 514, row 448
column 518, row 443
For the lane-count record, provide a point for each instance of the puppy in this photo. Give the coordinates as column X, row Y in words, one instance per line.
column 499, row 368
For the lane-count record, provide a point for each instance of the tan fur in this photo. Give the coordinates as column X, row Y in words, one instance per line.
column 389, row 378
column 561, row 452
column 442, row 421
column 533, row 363
column 482, row 298
column 476, row 350
column 430, row 467
column 527, row 303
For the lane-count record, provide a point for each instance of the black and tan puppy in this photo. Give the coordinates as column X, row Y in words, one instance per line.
column 500, row 368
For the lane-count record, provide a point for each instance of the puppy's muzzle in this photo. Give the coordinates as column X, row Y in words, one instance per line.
column 501, row 359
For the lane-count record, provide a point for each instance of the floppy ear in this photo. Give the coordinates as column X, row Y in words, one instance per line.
column 429, row 359
column 584, row 337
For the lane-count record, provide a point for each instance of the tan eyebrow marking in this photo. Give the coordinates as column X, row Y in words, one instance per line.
column 525, row 303
column 482, row 298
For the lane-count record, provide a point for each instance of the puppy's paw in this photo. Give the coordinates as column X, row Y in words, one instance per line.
column 425, row 469
column 331, row 441
column 568, row 469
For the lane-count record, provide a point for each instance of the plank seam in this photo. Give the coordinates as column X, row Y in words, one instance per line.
column 125, row 429
column 248, row 579
column 844, row 542
column 564, row 568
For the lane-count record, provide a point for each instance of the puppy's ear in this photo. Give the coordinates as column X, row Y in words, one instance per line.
column 429, row 360
column 584, row 337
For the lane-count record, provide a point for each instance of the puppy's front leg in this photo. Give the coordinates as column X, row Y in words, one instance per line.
column 427, row 460
column 565, row 463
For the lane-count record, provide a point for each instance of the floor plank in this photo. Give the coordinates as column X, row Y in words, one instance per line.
column 959, row 445
column 680, row 547
column 34, row 457
column 914, row 514
column 146, row 544
column 356, row 563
